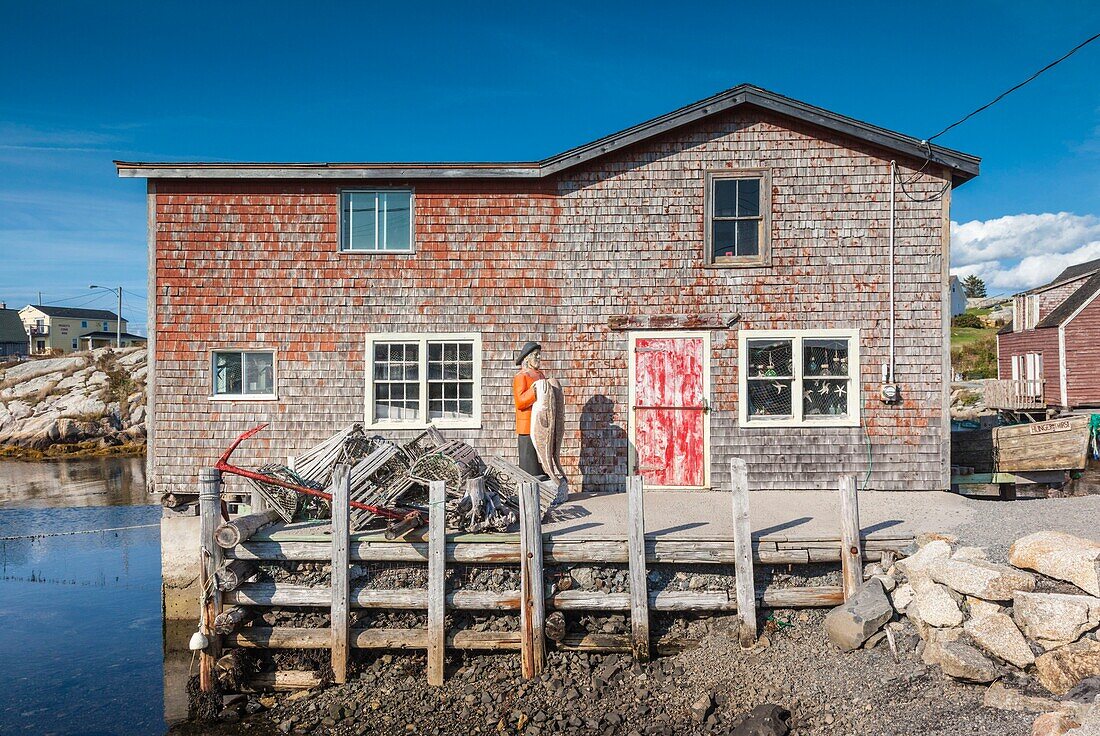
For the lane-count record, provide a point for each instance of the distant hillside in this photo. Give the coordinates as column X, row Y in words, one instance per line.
column 82, row 404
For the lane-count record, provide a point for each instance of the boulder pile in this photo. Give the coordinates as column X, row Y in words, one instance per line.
column 1030, row 626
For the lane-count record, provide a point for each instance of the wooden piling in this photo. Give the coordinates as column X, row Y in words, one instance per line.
column 532, row 612
column 851, row 556
column 211, row 559
column 742, row 561
column 437, row 551
column 639, row 587
column 340, row 490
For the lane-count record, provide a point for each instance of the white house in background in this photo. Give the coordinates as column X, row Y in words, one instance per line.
column 958, row 297
column 60, row 329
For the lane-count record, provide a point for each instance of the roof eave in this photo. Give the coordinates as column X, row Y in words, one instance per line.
column 145, row 170
column 963, row 166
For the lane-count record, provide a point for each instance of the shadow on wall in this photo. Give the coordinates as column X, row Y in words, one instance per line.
column 603, row 447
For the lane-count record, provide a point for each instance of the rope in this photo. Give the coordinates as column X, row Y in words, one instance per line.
column 81, row 531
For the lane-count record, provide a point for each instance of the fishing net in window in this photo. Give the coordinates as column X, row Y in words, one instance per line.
column 825, row 382
column 770, row 377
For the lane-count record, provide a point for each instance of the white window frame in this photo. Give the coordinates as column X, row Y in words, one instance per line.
column 274, row 396
column 422, row 421
column 345, row 244
column 852, row 419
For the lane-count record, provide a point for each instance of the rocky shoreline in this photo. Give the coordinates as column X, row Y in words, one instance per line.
column 83, row 405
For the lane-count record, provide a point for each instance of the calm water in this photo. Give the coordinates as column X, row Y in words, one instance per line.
column 81, row 613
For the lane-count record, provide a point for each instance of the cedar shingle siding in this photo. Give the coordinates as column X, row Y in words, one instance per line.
column 256, row 264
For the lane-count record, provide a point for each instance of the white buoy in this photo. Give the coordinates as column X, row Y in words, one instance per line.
column 199, row 641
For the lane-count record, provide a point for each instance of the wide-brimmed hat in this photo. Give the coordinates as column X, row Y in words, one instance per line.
column 528, row 348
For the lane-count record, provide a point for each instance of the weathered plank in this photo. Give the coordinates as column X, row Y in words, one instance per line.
column 639, row 585
column 742, row 538
column 532, row 613
column 341, row 511
column 285, row 594
column 851, row 560
column 437, row 542
column 677, row 551
column 698, row 321
column 285, row 637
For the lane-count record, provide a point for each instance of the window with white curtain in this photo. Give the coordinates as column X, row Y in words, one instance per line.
column 415, row 379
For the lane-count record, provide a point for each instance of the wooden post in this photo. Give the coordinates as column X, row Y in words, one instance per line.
column 742, row 560
column 341, row 489
column 851, row 556
column 639, row 587
column 437, row 555
column 210, row 560
column 532, row 612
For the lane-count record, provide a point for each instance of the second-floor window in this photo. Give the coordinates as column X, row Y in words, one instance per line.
column 1026, row 310
column 84, row 324
column 106, row 326
column 737, row 217
column 376, row 221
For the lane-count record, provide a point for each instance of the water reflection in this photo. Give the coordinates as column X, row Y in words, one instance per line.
column 81, row 611
column 107, row 481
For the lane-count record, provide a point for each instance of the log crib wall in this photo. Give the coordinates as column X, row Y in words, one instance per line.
column 231, row 604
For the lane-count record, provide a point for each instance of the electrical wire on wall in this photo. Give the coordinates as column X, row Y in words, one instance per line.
column 904, row 185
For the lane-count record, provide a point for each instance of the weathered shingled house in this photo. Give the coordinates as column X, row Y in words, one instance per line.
column 719, row 281
column 1047, row 358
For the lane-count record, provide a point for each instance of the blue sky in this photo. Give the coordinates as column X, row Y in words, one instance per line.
column 84, row 83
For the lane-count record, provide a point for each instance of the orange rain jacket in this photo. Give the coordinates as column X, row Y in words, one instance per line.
column 523, row 392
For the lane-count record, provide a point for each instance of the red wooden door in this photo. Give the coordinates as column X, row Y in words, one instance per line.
column 670, row 410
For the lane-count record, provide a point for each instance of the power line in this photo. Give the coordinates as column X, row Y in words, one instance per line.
column 1009, row 91
column 927, row 143
column 136, row 296
column 66, row 299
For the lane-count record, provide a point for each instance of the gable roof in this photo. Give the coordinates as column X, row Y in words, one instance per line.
column 1071, row 273
column 11, row 327
column 74, row 312
column 1077, row 271
column 1061, row 314
column 963, row 166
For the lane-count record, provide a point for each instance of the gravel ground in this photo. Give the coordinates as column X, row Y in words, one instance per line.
column 864, row 692
column 996, row 524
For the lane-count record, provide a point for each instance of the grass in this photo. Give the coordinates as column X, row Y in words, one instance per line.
column 976, row 356
column 961, row 336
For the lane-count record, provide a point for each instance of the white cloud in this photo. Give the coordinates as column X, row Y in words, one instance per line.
column 1017, row 252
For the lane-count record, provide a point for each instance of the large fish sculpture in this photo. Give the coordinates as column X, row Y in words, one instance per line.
column 548, row 428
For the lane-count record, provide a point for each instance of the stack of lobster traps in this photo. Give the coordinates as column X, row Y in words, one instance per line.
column 389, row 482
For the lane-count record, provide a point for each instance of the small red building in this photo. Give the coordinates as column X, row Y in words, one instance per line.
column 742, row 277
column 1048, row 358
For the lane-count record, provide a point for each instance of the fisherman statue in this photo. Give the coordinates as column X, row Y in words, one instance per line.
column 540, row 419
